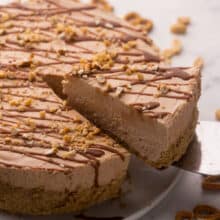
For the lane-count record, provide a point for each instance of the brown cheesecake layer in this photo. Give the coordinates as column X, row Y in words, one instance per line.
column 52, row 160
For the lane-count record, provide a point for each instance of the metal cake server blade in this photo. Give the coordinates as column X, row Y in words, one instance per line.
column 203, row 154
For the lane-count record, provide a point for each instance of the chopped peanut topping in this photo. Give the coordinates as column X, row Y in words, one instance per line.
column 28, row 102
column 65, row 130
column 32, row 76
column 67, row 138
column 107, row 43
column 15, row 102
column 42, row 114
column 53, row 110
column 129, row 45
column 21, row 108
column 31, row 123
column 4, row 18
column 2, row 31
column 14, row 131
column 67, row 33
column 8, row 140
column 101, row 79
column 69, row 154
column 199, row 62
column 100, row 61
column 140, row 76
column 2, row 75
column 163, row 89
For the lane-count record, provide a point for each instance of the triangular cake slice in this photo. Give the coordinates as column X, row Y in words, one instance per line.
column 52, row 160
column 153, row 111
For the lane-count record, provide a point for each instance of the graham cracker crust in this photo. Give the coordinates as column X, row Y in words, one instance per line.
column 40, row 202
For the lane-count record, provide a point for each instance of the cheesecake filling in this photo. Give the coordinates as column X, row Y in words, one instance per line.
column 146, row 137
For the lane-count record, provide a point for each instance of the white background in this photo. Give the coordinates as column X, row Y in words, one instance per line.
column 202, row 39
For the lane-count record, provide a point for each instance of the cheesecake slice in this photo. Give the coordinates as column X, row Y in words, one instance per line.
column 52, row 160
column 154, row 112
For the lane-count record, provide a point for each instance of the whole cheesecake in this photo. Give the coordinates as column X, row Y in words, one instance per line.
column 113, row 74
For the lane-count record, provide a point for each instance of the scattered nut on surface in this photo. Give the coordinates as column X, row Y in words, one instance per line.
column 178, row 28
column 176, row 48
column 137, row 20
column 199, row 62
column 184, row 20
column 217, row 114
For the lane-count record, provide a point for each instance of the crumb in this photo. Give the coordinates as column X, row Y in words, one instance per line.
column 42, row 114
column 2, row 75
column 178, row 28
column 137, row 20
column 28, row 102
column 101, row 79
column 199, row 62
column 217, row 114
column 184, row 20
column 176, row 48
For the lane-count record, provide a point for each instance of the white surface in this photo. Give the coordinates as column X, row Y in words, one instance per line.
column 202, row 39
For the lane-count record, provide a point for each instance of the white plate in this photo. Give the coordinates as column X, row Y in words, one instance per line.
column 146, row 188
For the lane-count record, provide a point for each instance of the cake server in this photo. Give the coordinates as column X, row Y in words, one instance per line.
column 203, row 155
